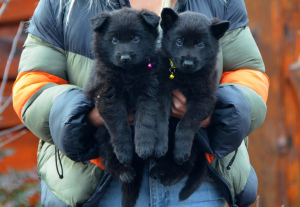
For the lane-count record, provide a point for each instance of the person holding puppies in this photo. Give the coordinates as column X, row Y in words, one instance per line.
column 48, row 98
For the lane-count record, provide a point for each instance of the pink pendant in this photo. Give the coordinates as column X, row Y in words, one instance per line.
column 149, row 65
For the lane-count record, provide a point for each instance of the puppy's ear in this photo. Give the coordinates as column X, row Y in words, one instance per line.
column 150, row 18
column 219, row 27
column 99, row 21
column 168, row 17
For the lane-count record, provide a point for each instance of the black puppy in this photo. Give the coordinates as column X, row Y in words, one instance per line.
column 190, row 46
column 122, row 80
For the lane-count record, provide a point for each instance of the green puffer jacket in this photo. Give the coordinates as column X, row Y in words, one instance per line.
column 55, row 64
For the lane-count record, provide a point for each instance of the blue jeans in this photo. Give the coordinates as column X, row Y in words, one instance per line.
column 152, row 194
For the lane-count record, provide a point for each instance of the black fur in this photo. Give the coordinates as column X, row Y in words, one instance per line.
column 129, row 175
column 124, row 45
column 191, row 41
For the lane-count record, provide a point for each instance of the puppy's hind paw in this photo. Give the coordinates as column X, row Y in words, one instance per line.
column 127, row 174
column 168, row 175
column 157, row 171
column 168, row 181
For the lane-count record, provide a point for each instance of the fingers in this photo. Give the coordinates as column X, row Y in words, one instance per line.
column 206, row 122
column 131, row 118
column 178, row 110
column 179, row 107
column 179, row 95
column 94, row 118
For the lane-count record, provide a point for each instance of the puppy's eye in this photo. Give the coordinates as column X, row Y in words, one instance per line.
column 179, row 42
column 136, row 39
column 201, row 44
column 115, row 40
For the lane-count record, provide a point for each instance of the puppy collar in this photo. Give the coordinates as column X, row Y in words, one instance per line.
column 172, row 70
column 149, row 64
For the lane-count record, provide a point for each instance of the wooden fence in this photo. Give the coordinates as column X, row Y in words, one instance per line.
column 275, row 147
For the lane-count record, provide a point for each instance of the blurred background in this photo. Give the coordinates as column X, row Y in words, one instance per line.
column 274, row 148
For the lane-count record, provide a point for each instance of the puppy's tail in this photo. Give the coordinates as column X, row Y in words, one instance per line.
column 195, row 178
column 131, row 191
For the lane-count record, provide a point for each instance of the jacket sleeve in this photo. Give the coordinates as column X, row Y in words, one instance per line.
column 39, row 82
column 242, row 94
column 244, row 69
column 43, row 77
column 69, row 129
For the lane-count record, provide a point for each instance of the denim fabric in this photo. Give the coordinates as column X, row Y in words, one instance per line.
column 152, row 194
column 48, row 199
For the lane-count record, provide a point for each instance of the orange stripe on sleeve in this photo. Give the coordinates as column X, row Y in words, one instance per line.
column 27, row 83
column 256, row 80
column 98, row 162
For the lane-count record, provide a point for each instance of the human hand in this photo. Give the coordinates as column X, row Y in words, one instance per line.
column 130, row 117
column 95, row 119
column 206, row 122
column 179, row 108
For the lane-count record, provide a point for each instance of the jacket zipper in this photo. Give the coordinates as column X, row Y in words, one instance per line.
column 232, row 202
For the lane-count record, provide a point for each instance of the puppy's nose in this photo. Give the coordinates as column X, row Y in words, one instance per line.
column 125, row 58
column 188, row 64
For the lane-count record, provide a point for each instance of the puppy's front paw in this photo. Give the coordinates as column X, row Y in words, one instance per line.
column 182, row 147
column 144, row 150
column 160, row 151
column 161, row 147
column 144, row 143
column 181, row 157
column 124, row 153
column 127, row 174
column 162, row 138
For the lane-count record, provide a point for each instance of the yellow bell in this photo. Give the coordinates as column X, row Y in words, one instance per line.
column 172, row 76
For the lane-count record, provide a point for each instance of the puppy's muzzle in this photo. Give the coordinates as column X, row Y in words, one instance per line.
column 188, row 64
column 125, row 58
